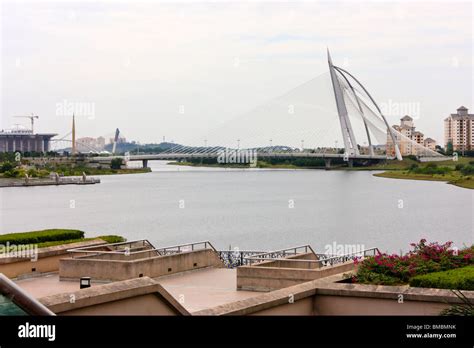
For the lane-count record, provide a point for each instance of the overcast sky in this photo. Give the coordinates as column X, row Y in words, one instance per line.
column 176, row 69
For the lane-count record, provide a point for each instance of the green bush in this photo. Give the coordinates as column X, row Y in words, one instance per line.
column 13, row 173
column 61, row 242
column 42, row 173
column 113, row 239
column 32, row 173
column 6, row 166
column 365, row 276
column 40, row 236
column 430, row 169
column 467, row 170
column 116, row 163
column 424, row 258
column 460, row 279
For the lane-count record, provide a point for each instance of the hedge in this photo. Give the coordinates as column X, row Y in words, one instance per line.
column 460, row 279
column 113, row 239
column 40, row 236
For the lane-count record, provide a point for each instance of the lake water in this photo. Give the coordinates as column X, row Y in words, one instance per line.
column 249, row 209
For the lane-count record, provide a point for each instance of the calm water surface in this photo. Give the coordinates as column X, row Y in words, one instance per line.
column 249, row 209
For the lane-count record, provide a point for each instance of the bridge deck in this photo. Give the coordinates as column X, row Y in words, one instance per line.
column 178, row 156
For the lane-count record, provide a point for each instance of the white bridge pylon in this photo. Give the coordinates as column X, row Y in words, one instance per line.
column 350, row 143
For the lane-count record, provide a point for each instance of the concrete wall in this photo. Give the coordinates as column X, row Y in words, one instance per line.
column 290, row 264
column 304, row 306
column 121, row 256
column 47, row 260
column 271, row 278
column 347, row 305
column 342, row 305
column 140, row 296
column 328, row 297
column 43, row 265
column 151, row 267
column 149, row 304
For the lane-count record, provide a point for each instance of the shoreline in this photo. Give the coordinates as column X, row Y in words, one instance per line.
column 71, row 180
column 390, row 172
column 459, row 182
column 90, row 179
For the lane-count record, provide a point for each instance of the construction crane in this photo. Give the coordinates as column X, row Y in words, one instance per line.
column 32, row 118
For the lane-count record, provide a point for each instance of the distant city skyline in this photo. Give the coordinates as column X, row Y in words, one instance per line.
column 178, row 69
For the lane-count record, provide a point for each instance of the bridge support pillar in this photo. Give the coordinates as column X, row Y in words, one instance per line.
column 350, row 163
column 327, row 163
column 145, row 163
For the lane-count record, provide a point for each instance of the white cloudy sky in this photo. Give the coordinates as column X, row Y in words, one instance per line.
column 137, row 62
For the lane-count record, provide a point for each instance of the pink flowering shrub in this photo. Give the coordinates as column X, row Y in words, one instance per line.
column 424, row 258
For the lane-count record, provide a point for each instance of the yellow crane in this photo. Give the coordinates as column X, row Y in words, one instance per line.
column 32, row 118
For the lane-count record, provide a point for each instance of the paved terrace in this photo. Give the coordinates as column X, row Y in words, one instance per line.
column 199, row 289
column 48, row 284
column 205, row 288
column 195, row 290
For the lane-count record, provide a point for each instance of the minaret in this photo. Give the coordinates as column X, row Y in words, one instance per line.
column 73, row 135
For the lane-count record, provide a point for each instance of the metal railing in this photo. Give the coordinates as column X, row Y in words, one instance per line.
column 236, row 258
column 329, row 260
column 281, row 254
column 230, row 258
column 144, row 246
column 322, row 261
column 181, row 248
column 115, row 248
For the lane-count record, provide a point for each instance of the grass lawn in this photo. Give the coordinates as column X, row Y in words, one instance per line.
column 454, row 177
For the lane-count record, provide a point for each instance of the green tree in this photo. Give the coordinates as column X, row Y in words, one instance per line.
column 116, row 163
column 12, row 173
column 6, row 166
column 449, row 148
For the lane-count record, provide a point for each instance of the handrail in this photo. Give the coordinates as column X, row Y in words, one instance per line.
column 328, row 260
column 21, row 298
column 306, row 247
column 160, row 251
column 121, row 251
column 85, row 250
column 111, row 244
column 205, row 242
column 236, row 258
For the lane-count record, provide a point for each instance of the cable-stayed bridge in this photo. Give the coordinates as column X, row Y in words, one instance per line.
column 319, row 113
